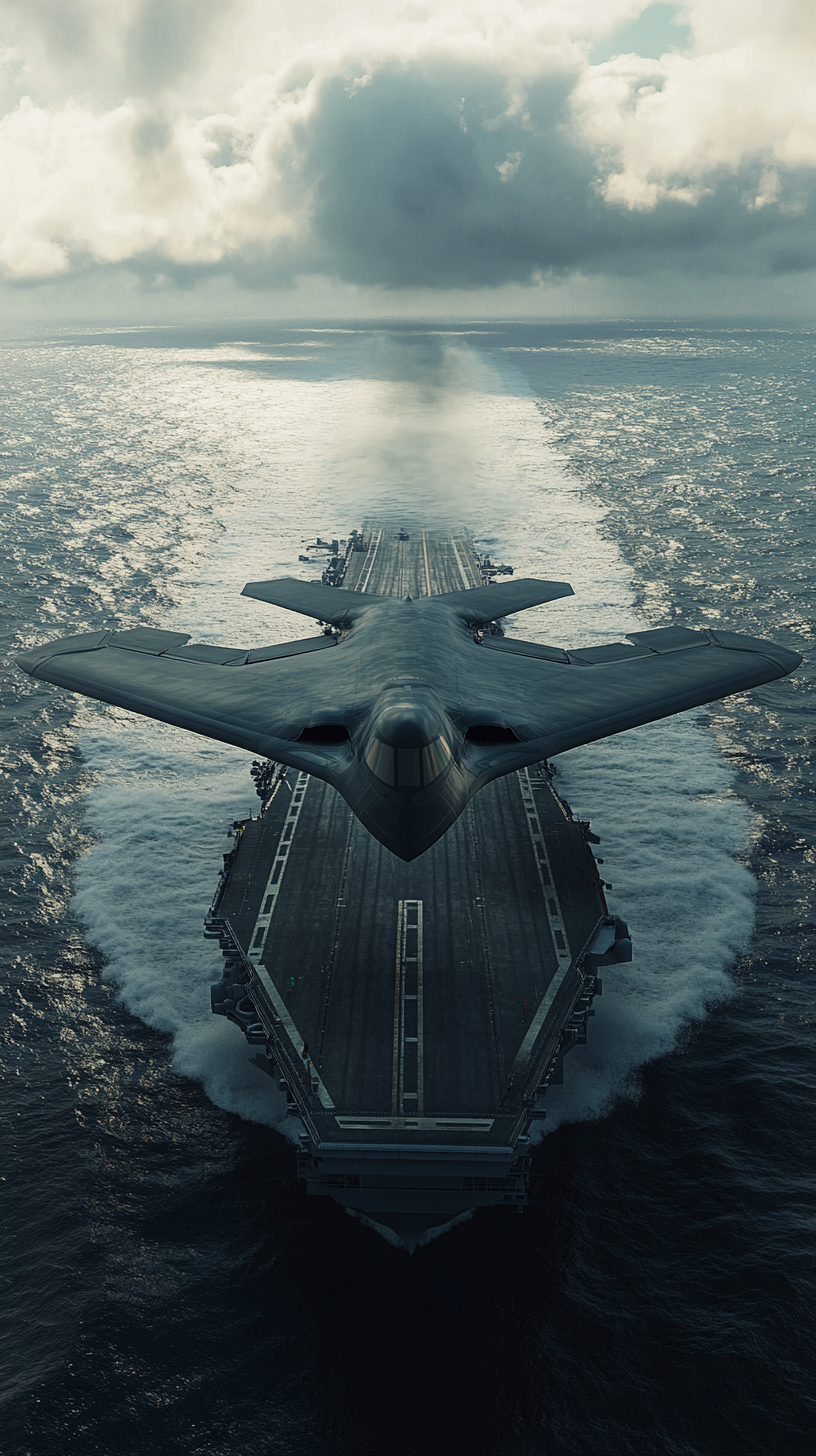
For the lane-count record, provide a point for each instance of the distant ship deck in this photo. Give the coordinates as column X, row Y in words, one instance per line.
column 413, row 1011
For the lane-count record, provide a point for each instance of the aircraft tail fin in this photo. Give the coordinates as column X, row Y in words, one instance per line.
column 485, row 603
column 312, row 599
column 333, row 604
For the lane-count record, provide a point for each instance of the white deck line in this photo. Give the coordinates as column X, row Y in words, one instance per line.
column 420, row 1013
column 554, row 915
column 371, row 564
column 260, row 930
column 552, row 904
column 398, row 993
column 427, row 563
column 409, row 917
column 413, row 1122
column 257, row 940
column 468, row 584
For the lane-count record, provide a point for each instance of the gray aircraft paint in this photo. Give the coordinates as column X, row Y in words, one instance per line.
column 406, row 673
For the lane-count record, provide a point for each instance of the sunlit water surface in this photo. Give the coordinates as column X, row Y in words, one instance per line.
column 168, row 1282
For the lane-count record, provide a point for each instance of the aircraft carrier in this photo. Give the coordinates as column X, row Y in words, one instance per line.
column 414, row 1013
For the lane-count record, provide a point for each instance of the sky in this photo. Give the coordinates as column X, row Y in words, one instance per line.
column 499, row 158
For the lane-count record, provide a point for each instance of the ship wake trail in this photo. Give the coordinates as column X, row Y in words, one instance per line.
column 671, row 830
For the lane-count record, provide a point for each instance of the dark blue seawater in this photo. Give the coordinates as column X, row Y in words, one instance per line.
column 167, row 1285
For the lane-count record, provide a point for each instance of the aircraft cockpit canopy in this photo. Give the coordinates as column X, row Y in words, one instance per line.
column 408, row 768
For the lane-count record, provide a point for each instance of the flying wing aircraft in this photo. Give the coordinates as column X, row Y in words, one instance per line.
column 402, row 706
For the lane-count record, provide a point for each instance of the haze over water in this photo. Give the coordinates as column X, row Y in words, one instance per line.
column 170, row 1285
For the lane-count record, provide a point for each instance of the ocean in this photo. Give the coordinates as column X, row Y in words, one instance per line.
column 168, row 1286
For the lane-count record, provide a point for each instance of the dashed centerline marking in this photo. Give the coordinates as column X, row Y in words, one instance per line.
column 558, row 929
column 269, row 900
column 468, row 584
column 409, row 991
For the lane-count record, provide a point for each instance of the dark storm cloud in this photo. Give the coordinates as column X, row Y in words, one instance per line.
column 407, row 191
column 406, row 181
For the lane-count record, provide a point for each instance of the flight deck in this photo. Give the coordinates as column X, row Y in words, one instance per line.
column 414, row 1012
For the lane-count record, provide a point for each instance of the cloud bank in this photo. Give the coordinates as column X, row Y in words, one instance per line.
column 398, row 146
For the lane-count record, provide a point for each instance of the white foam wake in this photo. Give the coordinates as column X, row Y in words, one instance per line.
column 660, row 796
column 162, row 800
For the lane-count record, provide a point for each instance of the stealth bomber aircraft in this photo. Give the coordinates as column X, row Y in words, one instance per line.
column 403, row 705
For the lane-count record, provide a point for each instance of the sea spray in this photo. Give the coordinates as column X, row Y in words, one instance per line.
column 659, row 796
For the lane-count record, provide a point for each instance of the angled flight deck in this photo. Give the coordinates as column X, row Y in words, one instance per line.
column 413, row 1009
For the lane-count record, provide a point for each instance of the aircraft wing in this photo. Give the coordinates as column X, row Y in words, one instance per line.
column 258, row 700
column 313, row 599
column 556, row 699
column 482, row 604
column 476, row 605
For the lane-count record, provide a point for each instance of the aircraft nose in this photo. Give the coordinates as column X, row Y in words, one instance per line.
column 409, row 743
column 406, row 720
column 410, row 824
column 417, row 789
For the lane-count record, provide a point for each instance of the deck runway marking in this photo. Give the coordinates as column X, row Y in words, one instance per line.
column 373, row 1123
column 427, row 563
column 397, row 989
column 409, row 977
column 260, row 931
column 552, row 905
column 556, row 919
column 420, row 1012
column 371, row 565
column 468, row 584
column 269, row 898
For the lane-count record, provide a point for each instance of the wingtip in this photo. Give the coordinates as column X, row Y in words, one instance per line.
column 555, row 590
column 34, row 657
column 786, row 660
column 28, row 660
column 789, row 661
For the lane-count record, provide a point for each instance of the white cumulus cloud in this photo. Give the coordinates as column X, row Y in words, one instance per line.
column 375, row 143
